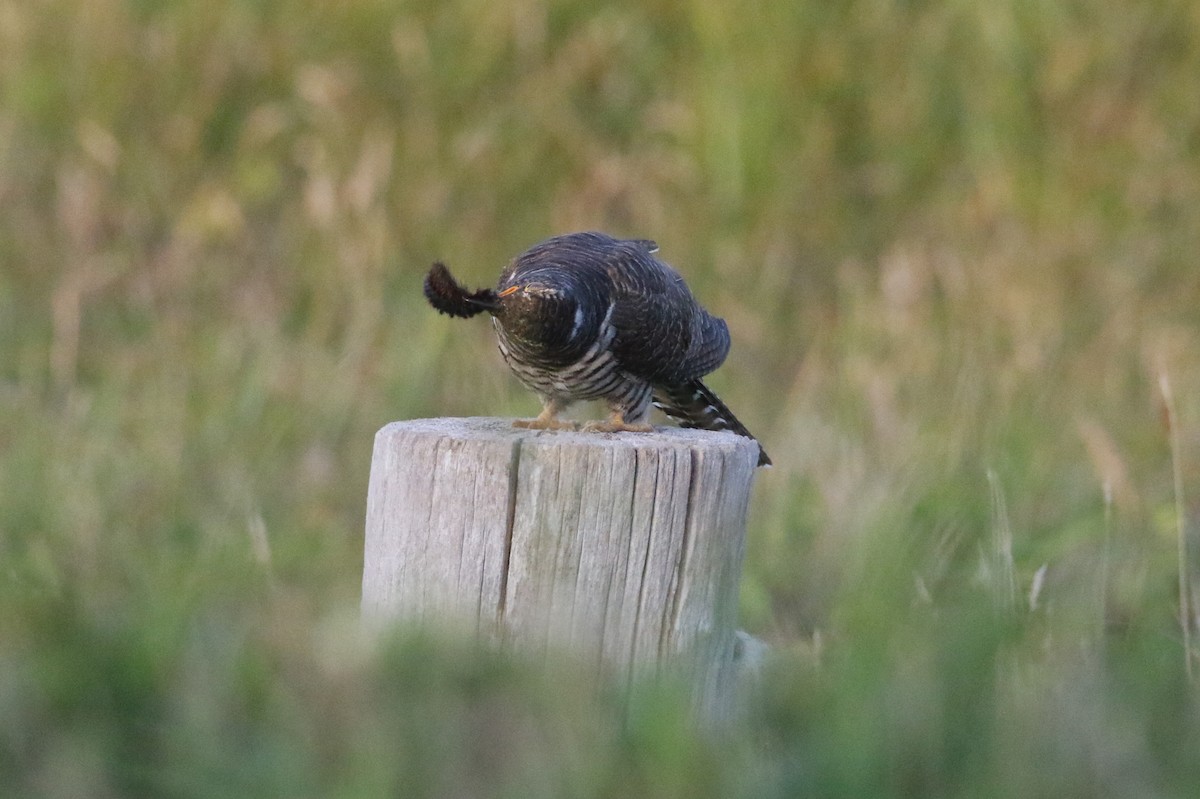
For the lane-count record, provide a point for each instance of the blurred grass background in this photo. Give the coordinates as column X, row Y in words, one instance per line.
column 957, row 247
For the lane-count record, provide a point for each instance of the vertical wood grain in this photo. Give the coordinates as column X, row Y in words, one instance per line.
column 625, row 550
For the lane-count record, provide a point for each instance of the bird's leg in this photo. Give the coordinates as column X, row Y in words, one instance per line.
column 548, row 418
column 616, row 423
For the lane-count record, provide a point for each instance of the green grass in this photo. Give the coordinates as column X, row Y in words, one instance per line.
column 957, row 248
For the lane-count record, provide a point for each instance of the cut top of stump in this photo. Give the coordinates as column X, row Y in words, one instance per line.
column 490, row 428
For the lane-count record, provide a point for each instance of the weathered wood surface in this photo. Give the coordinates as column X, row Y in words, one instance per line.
column 625, row 549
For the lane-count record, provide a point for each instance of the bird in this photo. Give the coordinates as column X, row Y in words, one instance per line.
column 587, row 316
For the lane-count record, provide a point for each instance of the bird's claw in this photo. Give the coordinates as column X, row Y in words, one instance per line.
column 545, row 423
column 617, row 426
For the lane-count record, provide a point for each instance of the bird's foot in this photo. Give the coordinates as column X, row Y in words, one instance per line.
column 545, row 422
column 617, row 426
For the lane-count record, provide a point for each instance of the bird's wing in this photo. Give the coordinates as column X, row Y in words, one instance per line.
column 662, row 334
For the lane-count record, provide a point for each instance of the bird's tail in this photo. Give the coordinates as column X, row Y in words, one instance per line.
column 448, row 296
column 694, row 404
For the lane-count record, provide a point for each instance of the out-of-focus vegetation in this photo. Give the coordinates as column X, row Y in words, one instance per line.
column 957, row 245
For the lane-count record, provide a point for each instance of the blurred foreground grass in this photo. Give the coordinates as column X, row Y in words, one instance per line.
column 956, row 243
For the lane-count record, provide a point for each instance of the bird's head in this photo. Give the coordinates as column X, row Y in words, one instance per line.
column 542, row 313
column 533, row 301
column 530, row 293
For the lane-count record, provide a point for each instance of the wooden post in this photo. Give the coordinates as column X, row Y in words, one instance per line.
column 625, row 550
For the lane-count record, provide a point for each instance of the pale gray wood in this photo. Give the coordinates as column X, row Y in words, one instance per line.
column 624, row 549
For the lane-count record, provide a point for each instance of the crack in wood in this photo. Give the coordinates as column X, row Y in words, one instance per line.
column 671, row 623
column 514, row 469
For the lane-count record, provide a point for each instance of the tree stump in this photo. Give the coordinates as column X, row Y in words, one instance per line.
column 624, row 550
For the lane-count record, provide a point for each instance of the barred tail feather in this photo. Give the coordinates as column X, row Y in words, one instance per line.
column 695, row 405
